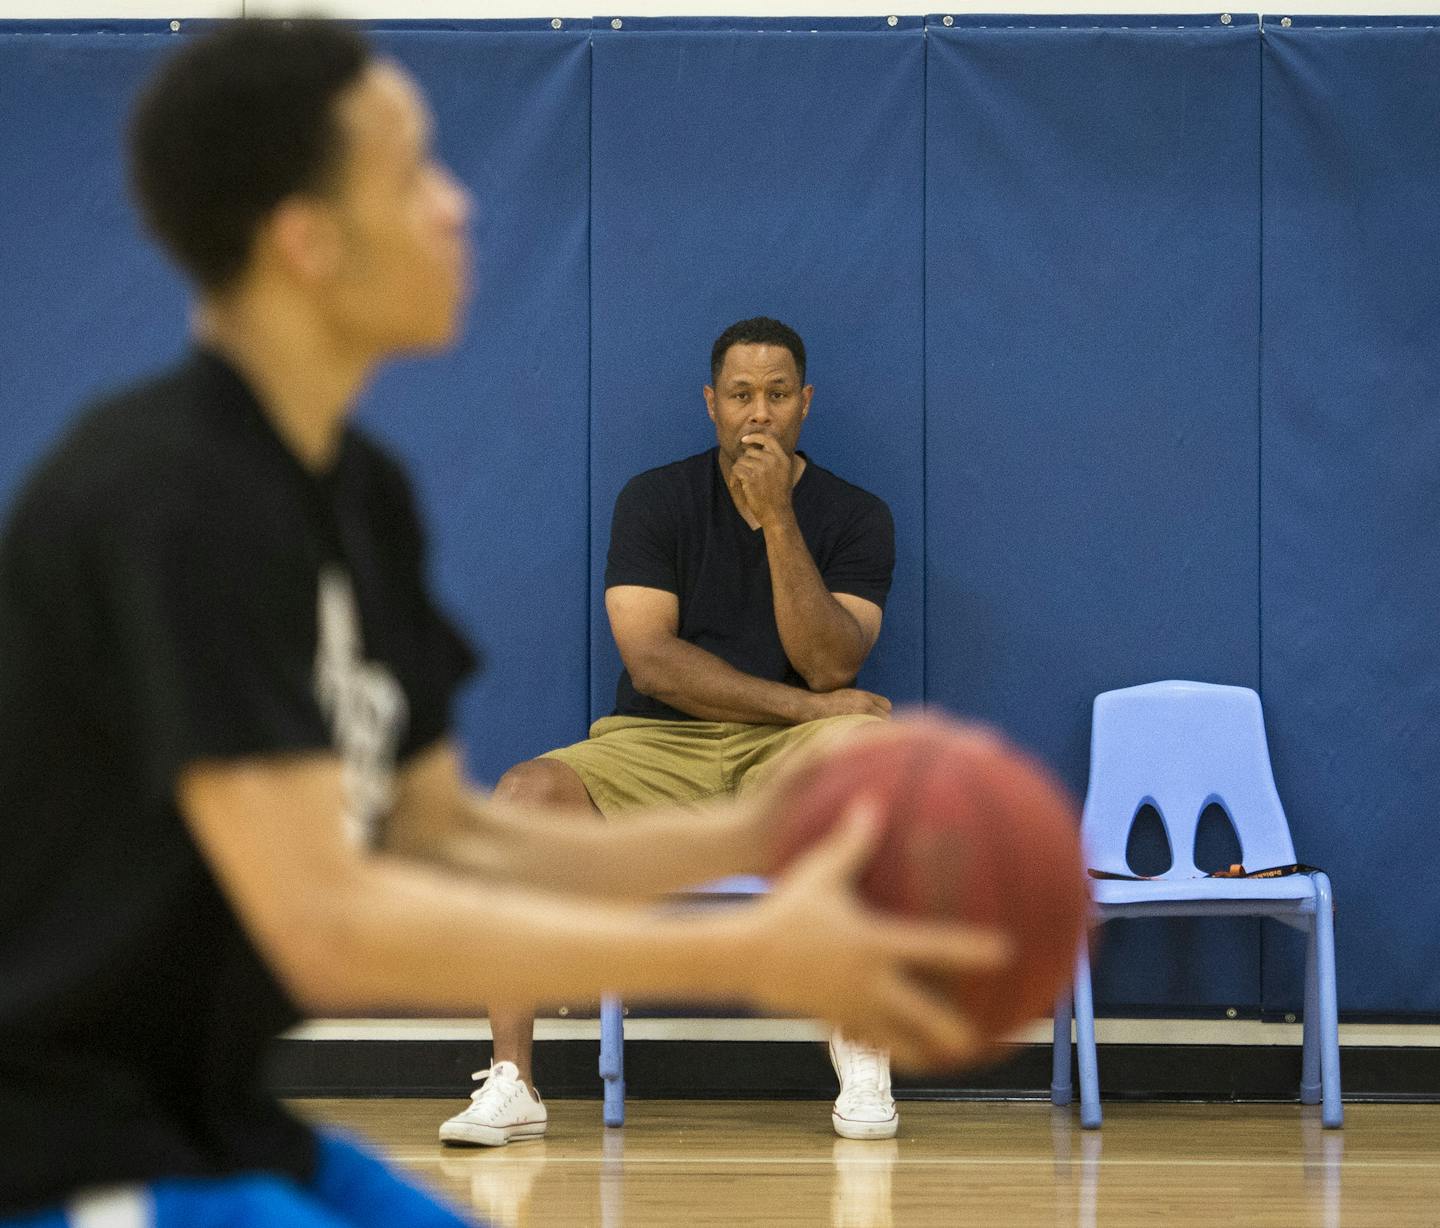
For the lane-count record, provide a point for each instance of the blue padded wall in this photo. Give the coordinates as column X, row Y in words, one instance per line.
column 741, row 173
column 495, row 432
column 1351, row 488
column 85, row 301
column 1029, row 256
column 1092, row 222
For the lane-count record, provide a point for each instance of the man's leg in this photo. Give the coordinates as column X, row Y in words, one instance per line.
column 550, row 784
column 626, row 764
column 506, row 1107
column 865, row 1107
column 759, row 753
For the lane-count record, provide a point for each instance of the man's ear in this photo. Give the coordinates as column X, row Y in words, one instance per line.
column 806, row 393
column 710, row 402
column 303, row 236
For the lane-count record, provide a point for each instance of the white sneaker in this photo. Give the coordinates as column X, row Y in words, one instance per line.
column 865, row 1108
column 501, row 1108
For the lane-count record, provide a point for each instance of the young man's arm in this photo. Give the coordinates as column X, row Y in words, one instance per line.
column 646, row 625
column 439, row 817
column 826, row 635
column 347, row 931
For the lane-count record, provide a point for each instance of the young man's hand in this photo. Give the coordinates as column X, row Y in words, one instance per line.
column 812, row 948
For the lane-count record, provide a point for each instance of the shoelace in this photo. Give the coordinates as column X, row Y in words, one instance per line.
column 501, row 1089
column 863, row 1076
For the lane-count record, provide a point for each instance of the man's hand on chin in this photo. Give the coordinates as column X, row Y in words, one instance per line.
column 764, row 477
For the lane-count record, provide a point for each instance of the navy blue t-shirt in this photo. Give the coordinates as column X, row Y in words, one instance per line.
column 676, row 528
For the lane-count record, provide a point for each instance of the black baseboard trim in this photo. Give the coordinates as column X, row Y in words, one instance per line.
column 787, row 1070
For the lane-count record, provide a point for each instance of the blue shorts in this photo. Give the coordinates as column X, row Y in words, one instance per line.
column 351, row 1189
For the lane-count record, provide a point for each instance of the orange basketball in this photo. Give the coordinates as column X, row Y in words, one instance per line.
column 974, row 831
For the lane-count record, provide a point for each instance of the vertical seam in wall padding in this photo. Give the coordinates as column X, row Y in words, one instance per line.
column 925, row 369
column 1260, row 383
column 588, row 709
column 1260, row 428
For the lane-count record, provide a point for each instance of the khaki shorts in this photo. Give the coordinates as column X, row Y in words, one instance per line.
column 629, row 762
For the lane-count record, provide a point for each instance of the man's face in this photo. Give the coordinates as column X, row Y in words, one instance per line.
column 757, row 392
column 402, row 275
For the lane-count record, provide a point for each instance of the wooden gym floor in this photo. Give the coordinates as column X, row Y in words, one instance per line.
column 690, row 1164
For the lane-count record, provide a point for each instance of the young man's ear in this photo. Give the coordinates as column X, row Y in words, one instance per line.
column 303, row 236
column 710, row 402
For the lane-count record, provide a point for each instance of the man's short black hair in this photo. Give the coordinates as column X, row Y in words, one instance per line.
column 235, row 122
column 760, row 330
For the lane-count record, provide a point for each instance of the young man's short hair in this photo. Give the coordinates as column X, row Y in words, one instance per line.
column 238, row 120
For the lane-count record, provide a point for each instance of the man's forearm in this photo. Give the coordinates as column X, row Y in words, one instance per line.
column 701, row 685
column 822, row 639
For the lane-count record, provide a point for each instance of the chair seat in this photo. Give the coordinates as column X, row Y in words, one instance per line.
column 740, row 884
column 1108, row 891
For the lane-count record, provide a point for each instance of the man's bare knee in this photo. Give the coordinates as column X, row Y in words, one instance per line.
column 544, row 782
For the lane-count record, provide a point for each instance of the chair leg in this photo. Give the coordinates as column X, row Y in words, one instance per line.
column 1310, row 1086
column 1085, row 1043
column 612, row 1060
column 1331, row 1112
column 1060, row 1093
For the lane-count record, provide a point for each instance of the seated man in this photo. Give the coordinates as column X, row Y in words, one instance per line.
column 745, row 587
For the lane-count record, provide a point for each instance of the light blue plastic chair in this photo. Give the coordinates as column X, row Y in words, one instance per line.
column 1181, row 747
column 612, row 1011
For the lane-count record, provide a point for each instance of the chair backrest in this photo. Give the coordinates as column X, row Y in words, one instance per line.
column 1179, row 747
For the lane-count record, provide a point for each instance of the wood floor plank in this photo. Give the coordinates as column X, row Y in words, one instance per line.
column 694, row 1164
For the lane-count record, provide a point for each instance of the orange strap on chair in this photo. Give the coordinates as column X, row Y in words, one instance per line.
column 1239, row 871
column 1235, row 871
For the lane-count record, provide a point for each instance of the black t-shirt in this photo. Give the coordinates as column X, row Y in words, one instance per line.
column 175, row 585
column 676, row 528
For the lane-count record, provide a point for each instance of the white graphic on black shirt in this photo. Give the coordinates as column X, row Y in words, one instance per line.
column 363, row 703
